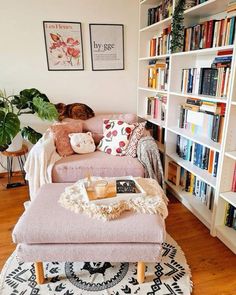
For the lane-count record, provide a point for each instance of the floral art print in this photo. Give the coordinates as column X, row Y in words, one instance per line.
column 63, row 41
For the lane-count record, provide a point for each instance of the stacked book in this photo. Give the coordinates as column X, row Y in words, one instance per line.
column 156, row 107
column 230, row 216
column 161, row 44
column 199, row 155
column 191, row 183
column 158, row 74
column 213, row 81
column 160, row 12
column 212, row 33
column 202, row 118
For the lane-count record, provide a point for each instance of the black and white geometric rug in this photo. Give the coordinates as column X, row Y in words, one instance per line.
column 170, row 277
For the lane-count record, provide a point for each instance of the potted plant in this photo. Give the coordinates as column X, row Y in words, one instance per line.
column 29, row 101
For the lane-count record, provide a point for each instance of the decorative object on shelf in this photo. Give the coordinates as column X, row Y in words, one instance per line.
column 107, row 47
column 64, row 48
column 177, row 42
column 29, row 101
column 74, row 111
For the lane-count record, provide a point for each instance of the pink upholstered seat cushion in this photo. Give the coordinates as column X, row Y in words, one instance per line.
column 47, row 222
column 75, row 167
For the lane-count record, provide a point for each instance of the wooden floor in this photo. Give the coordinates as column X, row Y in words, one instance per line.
column 213, row 265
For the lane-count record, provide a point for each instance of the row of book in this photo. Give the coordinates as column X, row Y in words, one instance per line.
column 156, row 14
column 213, row 81
column 199, row 155
column 191, row 183
column 158, row 133
column 161, row 44
column 212, row 33
column 230, row 216
column 156, row 107
column 158, row 74
column 202, row 118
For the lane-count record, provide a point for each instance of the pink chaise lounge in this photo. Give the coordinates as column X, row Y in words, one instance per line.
column 72, row 168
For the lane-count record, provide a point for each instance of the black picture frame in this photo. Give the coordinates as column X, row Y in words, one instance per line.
column 100, row 57
column 70, row 49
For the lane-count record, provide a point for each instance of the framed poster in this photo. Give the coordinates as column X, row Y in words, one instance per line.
column 107, row 47
column 64, row 47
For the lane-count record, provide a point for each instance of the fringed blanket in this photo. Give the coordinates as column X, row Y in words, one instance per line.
column 155, row 202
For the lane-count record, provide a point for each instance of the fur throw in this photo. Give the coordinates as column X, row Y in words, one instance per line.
column 74, row 111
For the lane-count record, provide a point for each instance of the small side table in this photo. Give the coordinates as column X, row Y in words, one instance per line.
column 21, row 157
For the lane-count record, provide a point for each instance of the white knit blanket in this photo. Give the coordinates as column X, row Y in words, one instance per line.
column 155, row 202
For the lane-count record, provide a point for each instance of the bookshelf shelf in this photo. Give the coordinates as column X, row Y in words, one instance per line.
column 231, row 155
column 208, row 8
column 154, row 121
column 155, row 57
column 200, row 173
column 207, row 51
column 152, row 90
column 192, row 203
column 227, row 235
column 201, row 140
column 202, row 97
column 229, row 197
column 197, row 19
column 157, row 26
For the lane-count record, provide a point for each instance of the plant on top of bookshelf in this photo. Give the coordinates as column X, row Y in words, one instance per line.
column 177, row 42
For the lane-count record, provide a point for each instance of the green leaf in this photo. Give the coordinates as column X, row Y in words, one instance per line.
column 25, row 99
column 44, row 109
column 9, row 127
column 30, row 134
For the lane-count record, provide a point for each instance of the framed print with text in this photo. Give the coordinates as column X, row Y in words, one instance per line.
column 64, row 47
column 107, row 47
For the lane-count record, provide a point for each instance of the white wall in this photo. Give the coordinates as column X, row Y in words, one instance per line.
column 23, row 59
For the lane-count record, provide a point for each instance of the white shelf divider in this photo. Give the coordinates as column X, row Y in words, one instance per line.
column 157, row 26
column 229, row 197
column 231, row 155
column 200, row 173
column 152, row 90
column 202, row 97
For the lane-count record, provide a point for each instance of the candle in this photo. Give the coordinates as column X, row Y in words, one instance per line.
column 100, row 188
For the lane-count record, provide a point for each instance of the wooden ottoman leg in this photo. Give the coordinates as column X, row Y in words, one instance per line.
column 39, row 272
column 140, row 272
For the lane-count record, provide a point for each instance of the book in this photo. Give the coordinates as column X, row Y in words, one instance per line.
column 233, row 188
column 125, row 186
column 174, row 173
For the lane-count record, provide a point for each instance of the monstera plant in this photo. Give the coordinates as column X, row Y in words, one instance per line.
column 29, row 101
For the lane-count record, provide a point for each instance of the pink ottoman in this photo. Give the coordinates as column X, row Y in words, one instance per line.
column 49, row 232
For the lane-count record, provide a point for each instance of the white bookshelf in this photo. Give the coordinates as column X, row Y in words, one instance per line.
column 212, row 219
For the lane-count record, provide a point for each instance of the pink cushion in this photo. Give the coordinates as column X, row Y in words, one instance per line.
column 61, row 133
column 47, row 222
column 117, row 252
column 95, row 124
column 75, row 167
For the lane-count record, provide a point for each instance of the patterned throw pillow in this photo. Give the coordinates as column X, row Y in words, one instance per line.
column 61, row 133
column 116, row 135
column 136, row 135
